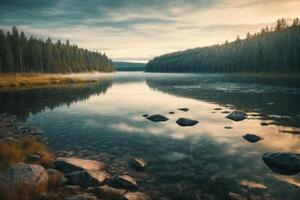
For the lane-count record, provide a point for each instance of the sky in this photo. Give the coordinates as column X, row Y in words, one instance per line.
column 138, row 30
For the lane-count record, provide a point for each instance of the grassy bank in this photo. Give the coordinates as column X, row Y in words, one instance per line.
column 25, row 80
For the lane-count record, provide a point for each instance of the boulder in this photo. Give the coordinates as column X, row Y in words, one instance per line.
column 186, row 122
column 136, row 196
column 252, row 138
column 283, row 163
column 87, row 178
column 157, row 118
column 138, row 163
column 68, row 165
column 84, row 196
column 183, row 109
column 237, row 116
column 111, row 192
column 24, row 175
column 123, row 181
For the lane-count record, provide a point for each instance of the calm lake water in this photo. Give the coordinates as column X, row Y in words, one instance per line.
column 104, row 122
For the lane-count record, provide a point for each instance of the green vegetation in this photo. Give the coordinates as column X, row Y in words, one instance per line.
column 127, row 66
column 275, row 49
column 21, row 54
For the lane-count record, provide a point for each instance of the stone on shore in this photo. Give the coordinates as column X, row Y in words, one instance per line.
column 136, row 196
column 157, row 118
column 237, row 116
column 123, row 181
column 252, row 138
column 186, row 122
column 283, row 163
column 24, row 175
column 68, row 165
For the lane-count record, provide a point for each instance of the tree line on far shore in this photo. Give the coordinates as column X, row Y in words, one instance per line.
column 275, row 49
column 19, row 54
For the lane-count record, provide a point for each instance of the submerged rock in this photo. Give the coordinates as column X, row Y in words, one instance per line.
column 183, row 109
column 87, row 178
column 138, row 163
column 172, row 112
column 237, row 116
column 111, row 192
column 24, row 175
column 234, row 196
column 252, row 138
column 157, row 118
column 173, row 157
column 283, row 163
column 123, row 181
column 84, row 196
column 145, row 115
column 264, row 124
column 136, row 196
column 186, row 122
column 68, row 165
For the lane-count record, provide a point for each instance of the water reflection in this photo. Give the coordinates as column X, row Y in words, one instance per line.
column 204, row 161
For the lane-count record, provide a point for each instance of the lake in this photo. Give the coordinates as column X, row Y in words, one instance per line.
column 104, row 122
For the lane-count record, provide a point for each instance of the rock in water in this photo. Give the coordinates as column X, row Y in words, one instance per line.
column 186, row 122
column 112, row 193
column 237, row 116
column 171, row 113
column 145, row 115
column 136, row 196
column 23, row 176
column 68, row 165
column 173, row 157
column 84, row 196
column 183, row 109
column 87, row 178
column 283, row 163
column 123, row 181
column 252, row 138
column 157, row 118
column 138, row 163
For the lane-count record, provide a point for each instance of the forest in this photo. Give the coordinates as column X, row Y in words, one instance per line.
column 20, row 54
column 127, row 66
column 273, row 49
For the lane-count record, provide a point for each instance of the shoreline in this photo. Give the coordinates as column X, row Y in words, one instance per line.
column 14, row 81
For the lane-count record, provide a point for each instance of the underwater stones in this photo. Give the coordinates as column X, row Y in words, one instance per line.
column 234, row 196
column 183, row 109
column 111, row 192
column 186, row 122
column 84, row 196
column 68, row 165
column 157, row 118
column 173, row 157
column 252, row 138
column 172, row 113
column 237, row 116
column 283, row 163
column 145, row 115
column 87, row 178
column 123, row 181
column 212, row 167
column 138, row 163
column 136, row 196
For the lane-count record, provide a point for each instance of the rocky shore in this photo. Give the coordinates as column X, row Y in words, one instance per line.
column 39, row 174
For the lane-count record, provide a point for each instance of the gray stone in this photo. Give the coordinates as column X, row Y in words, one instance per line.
column 136, row 196
column 283, row 163
column 29, row 175
column 252, row 138
column 186, row 122
column 237, row 116
column 157, row 118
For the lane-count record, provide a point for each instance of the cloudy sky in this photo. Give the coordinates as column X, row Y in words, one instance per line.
column 138, row 30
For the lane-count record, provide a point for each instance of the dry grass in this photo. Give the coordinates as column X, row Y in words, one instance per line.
column 21, row 80
column 15, row 151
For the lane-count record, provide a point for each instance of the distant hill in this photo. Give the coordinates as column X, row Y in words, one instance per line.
column 273, row 50
column 127, row 66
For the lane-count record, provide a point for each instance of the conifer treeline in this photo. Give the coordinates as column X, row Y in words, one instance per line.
column 21, row 54
column 272, row 50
